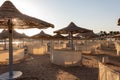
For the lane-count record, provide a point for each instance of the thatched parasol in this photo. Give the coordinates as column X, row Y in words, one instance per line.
column 41, row 35
column 72, row 29
column 20, row 20
column 11, row 17
column 5, row 34
column 119, row 22
column 87, row 35
column 58, row 37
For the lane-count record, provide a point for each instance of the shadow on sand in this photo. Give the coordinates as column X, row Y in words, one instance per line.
column 40, row 68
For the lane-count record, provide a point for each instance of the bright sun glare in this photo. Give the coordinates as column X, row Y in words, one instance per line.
column 29, row 32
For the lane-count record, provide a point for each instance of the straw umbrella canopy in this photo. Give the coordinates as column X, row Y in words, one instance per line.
column 87, row 35
column 20, row 20
column 72, row 29
column 58, row 37
column 42, row 35
column 5, row 34
column 11, row 17
column 24, row 35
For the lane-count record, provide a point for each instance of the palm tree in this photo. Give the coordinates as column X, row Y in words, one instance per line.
column 111, row 32
column 119, row 22
column 105, row 33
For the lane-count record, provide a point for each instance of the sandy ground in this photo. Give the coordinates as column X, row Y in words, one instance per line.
column 42, row 69
column 17, row 55
column 39, row 67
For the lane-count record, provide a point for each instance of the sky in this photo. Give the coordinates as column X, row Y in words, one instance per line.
column 97, row 15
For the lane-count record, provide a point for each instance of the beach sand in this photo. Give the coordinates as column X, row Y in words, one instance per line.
column 42, row 69
column 39, row 67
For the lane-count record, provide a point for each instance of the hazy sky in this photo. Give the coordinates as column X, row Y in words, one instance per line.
column 96, row 15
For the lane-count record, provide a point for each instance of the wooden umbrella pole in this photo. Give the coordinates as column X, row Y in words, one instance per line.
column 23, row 39
column 10, row 50
column 42, row 42
column 23, row 42
column 5, row 44
column 71, row 40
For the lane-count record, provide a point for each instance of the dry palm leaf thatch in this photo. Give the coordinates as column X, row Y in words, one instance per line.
column 58, row 37
column 42, row 35
column 20, row 20
column 11, row 17
column 72, row 28
column 5, row 34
